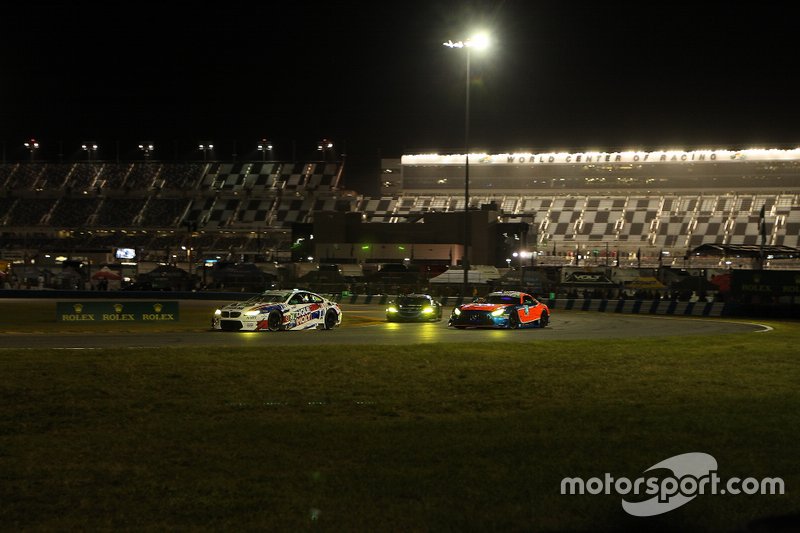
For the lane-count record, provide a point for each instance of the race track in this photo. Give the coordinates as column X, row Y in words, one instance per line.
column 564, row 325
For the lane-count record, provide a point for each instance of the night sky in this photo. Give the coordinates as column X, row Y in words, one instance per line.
column 375, row 78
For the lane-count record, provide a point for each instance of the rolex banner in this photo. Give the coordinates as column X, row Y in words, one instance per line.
column 110, row 311
column 772, row 283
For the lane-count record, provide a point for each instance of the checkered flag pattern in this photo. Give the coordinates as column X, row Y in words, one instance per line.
column 672, row 231
column 600, row 225
column 380, row 207
column 221, row 213
column 791, row 227
column 270, row 176
column 707, row 229
column 255, row 210
column 535, row 205
column 746, row 230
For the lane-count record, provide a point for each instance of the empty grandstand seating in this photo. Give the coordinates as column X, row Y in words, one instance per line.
column 83, row 176
column 118, row 212
column 247, row 204
column 163, row 212
column 142, row 176
column 24, row 176
column 112, row 176
column 29, row 212
column 180, row 176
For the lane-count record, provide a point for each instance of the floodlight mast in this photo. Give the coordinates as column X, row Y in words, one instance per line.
column 479, row 41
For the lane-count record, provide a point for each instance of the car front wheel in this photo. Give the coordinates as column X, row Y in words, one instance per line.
column 274, row 321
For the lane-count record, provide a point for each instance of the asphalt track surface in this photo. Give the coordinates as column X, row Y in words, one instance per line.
column 371, row 329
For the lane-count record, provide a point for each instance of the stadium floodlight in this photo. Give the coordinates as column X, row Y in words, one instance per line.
column 264, row 146
column 324, row 146
column 147, row 148
column 90, row 147
column 32, row 146
column 479, row 41
column 205, row 147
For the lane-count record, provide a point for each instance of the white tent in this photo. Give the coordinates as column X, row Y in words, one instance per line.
column 477, row 274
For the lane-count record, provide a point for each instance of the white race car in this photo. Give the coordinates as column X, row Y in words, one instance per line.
column 277, row 310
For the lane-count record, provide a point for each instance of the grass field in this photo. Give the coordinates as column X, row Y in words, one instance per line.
column 426, row 438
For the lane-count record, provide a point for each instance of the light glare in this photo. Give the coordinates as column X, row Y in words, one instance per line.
column 479, row 41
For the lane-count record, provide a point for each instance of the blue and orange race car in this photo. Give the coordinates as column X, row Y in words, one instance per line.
column 507, row 309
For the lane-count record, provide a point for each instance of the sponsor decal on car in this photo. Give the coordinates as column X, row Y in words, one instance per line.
column 304, row 314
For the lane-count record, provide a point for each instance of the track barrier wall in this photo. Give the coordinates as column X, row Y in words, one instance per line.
column 637, row 307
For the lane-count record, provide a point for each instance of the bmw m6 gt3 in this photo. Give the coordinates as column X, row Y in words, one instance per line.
column 277, row 310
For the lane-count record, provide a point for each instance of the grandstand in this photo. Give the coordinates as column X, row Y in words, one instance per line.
column 156, row 207
column 643, row 205
column 666, row 221
column 665, row 203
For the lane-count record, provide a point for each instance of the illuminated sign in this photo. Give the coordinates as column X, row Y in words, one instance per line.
column 555, row 158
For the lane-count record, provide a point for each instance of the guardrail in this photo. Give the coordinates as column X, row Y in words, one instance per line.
column 124, row 295
column 636, row 307
column 642, row 307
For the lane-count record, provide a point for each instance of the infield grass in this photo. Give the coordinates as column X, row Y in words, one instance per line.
column 373, row 438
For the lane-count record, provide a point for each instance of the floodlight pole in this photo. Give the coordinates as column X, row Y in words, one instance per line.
column 481, row 42
column 465, row 260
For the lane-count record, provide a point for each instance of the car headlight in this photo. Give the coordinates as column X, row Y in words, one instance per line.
column 218, row 312
column 427, row 310
column 391, row 309
column 456, row 311
column 252, row 313
column 499, row 312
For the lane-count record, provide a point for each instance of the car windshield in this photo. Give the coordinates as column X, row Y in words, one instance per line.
column 501, row 299
column 412, row 300
column 270, row 297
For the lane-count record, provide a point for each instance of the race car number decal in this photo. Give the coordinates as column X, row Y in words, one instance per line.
column 525, row 314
